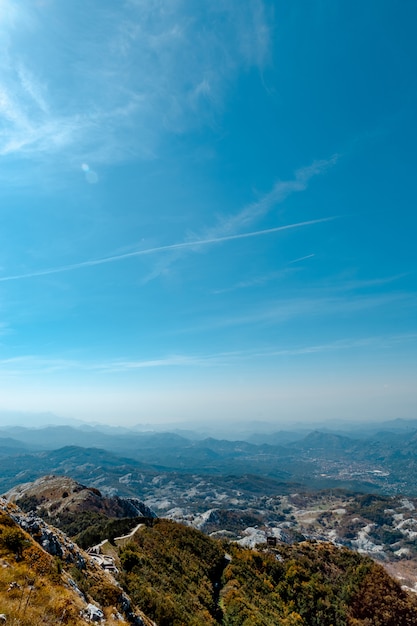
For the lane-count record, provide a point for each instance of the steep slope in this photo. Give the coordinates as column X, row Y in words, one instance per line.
column 312, row 584
column 176, row 575
column 170, row 568
column 171, row 572
column 81, row 512
column 45, row 579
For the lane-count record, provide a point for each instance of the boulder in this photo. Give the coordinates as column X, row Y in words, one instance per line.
column 93, row 613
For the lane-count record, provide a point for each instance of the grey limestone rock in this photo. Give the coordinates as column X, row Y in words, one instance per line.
column 93, row 613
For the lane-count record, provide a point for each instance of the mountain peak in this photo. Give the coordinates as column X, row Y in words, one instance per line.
column 62, row 494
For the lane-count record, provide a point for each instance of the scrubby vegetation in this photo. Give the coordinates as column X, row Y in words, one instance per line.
column 170, row 571
column 88, row 528
column 311, row 584
column 373, row 508
column 37, row 589
column 180, row 577
column 32, row 589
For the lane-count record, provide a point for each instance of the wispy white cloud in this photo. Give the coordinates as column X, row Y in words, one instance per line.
column 41, row 365
column 176, row 360
column 17, row 365
column 108, row 87
column 25, row 364
column 194, row 245
column 231, row 358
column 228, row 225
column 33, row 88
column 280, row 192
column 258, row 281
column 355, row 285
column 367, row 343
column 320, row 304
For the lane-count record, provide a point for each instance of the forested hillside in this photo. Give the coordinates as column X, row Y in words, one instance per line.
column 179, row 576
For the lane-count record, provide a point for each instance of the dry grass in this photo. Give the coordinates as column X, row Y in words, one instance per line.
column 40, row 594
column 39, row 602
column 36, row 601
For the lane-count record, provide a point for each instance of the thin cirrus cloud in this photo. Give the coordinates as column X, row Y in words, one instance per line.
column 34, row 90
column 280, row 192
column 232, row 358
column 196, row 244
column 256, row 281
column 323, row 305
column 377, row 342
column 125, row 78
column 28, row 127
column 40, row 364
column 228, row 225
column 266, row 278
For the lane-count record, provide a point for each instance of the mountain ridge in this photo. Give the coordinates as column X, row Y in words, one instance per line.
column 166, row 568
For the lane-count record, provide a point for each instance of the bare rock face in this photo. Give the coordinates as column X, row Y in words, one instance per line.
column 93, row 613
column 52, row 540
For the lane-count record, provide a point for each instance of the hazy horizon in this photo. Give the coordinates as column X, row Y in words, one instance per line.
column 208, row 210
column 214, row 428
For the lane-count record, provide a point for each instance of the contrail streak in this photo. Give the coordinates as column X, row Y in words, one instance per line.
column 302, row 258
column 173, row 246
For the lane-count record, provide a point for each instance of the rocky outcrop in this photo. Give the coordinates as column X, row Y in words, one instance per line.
column 93, row 613
column 57, row 544
column 50, row 539
column 61, row 494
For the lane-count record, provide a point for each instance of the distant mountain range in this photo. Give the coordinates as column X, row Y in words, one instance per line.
column 232, row 430
column 385, row 462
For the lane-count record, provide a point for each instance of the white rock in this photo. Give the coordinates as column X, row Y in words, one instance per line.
column 93, row 613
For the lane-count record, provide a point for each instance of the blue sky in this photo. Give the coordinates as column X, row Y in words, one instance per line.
column 208, row 209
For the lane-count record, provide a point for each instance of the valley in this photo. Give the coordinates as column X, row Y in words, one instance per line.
column 354, row 492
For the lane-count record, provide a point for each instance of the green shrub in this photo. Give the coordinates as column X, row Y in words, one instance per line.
column 13, row 539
